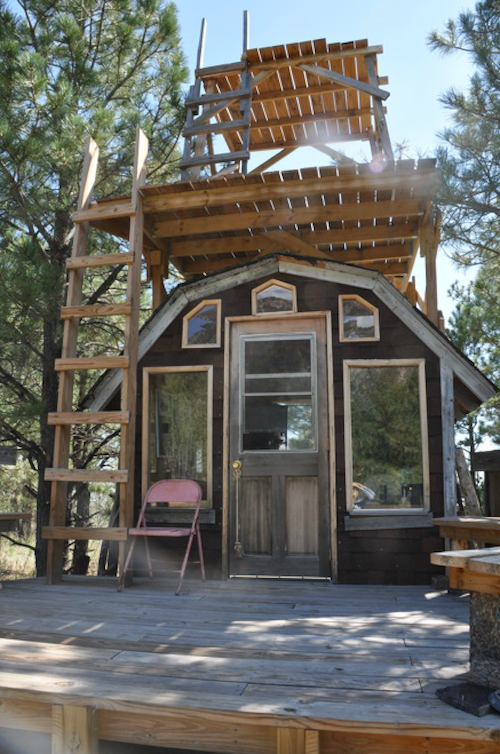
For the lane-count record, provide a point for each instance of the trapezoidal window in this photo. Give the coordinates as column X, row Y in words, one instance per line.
column 274, row 297
column 201, row 327
column 358, row 319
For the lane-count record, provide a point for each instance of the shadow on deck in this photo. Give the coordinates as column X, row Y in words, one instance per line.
column 254, row 667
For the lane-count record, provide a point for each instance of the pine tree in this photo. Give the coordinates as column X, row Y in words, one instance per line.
column 68, row 70
column 470, row 156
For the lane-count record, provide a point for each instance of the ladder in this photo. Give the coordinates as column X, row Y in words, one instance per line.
column 65, row 418
column 198, row 131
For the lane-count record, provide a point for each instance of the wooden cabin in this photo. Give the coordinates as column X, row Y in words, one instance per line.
column 297, row 374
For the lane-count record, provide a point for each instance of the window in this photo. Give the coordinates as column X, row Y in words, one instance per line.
column 201, row 327
column 274, row 296
column 278, row 392
column 386, row 436
column 177, row 426
column 358, row 320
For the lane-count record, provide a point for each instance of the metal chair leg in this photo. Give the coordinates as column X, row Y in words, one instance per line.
column 121, row 582
column 148, row 558
column 184, row 563
column 200, row 552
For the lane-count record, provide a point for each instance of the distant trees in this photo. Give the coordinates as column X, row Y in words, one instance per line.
column 469, row 159
column 68, row 70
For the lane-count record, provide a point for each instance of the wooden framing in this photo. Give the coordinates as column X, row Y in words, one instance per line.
column 193, row 313
column 375, row 363
column 276, row 317
column 280, row 284
column 367, row 305
column 146, row 372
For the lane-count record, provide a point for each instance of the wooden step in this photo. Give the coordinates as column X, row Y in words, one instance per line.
column 212, row 159
column 216, row 128
column 95, row 362
column 114, row 534
column 89, row 417
column 99, row 260
column 86, row 475
column 205, row 99
column 104, row 211
column 95, row 310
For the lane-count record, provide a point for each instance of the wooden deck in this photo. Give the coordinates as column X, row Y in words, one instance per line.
column 254, row 667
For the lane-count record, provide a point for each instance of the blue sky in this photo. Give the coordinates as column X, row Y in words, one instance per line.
column 417, row 76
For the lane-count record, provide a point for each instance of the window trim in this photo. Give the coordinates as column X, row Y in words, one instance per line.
column 422, row 394
column 368, row 305
column 187, row 317
column 146, row 372
column 268, row 284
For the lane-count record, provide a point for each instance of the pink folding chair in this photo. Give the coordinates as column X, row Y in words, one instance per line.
column 168, row 491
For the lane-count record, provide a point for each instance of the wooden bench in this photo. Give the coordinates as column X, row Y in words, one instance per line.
column 478, row 571
column 484, row 530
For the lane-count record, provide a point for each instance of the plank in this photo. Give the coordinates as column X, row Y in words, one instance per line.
column 461, row 558
column 306, row 215
column 85, row 475
column 212, row 159
column 74, row 730
column 213, row 194
column 104, row 211
column 99, row 260
column 94, row 362
column 347, row 81
column 116, row 534
column 88, row 417
column 95, row 310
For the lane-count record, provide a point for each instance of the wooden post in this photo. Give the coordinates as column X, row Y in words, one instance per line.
column 131, row 338
column 378, row 109
column 467, row 485
column 74, row 730
column 246, row 83
column 291, row 741
column 62, row 438
column 448, row 430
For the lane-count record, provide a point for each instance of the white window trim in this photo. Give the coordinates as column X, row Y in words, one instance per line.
column 187, row 317
column 146, row 372
column 363, row 302
column 268, row 284
column 422, row 392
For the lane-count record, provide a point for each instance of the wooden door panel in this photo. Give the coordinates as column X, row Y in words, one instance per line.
column 301, row 505
column 255, row 515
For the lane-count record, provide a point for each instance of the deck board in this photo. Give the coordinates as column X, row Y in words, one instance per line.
column 327, row 657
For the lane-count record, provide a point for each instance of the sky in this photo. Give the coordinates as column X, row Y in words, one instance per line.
column 417, row 76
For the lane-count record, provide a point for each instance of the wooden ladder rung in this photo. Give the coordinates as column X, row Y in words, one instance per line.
column 95, row 310
column 205, row 99
column 95, row 362
column 105, row 211
column 89, row 417
column 99, row 260
column 114, row 534
column 216, row 128
column 86, row 475
column 211, row 159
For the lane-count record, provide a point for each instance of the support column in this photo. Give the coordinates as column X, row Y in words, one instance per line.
column 74, row 730
column 448, row 432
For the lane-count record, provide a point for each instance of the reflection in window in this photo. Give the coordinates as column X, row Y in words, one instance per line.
column 278, row 393
column 386, row 433
column 358, row 319
column 274, row 296
column 202, row 325
column 178, row 421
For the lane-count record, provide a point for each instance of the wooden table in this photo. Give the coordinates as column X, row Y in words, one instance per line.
column 8, row 521
column 478, row 571
column 464, row 529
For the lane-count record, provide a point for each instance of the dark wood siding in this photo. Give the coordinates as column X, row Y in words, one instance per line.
column 390, row 556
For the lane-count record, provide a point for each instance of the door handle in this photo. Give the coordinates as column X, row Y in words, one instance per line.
column 237, row 466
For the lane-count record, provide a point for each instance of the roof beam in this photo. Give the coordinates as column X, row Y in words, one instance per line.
column 231, row 244
column 292, row 216
column 316, row 58
column 213, row 196
column 339, row 78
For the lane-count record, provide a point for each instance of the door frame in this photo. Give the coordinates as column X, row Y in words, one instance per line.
column 327, row 316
